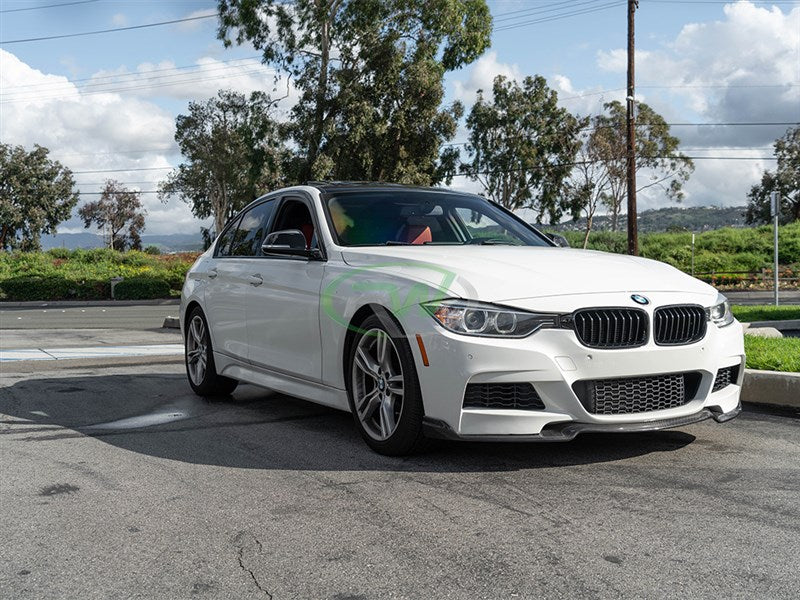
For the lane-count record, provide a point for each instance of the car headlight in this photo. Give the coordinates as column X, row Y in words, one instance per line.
column 720, row 313
column 487, row 320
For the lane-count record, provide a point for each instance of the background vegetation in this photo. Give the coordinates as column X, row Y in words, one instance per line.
column 725, row 252
column 61, row 274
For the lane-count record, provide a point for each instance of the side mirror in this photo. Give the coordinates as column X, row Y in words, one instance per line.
column 558, row 240
column 290, row 242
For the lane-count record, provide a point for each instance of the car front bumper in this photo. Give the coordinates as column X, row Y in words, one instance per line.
column 552, row 360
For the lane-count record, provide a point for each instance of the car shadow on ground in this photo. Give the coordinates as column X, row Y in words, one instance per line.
column 158, row 415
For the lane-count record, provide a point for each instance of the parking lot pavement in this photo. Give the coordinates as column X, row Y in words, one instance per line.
column 118, row 482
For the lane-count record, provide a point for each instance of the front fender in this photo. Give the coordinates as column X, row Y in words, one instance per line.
column 346, row 289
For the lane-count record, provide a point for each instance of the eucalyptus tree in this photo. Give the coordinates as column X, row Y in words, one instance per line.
column 785, row 180
column 657, row 155
column 36, row 194
column 522, row 145
column 119, row 214
column 233, row 149
column 370, row 77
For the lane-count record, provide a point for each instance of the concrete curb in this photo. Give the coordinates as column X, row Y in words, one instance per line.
column 771, row 388
column 171, row 323
column 70, row 303
column 42, row 366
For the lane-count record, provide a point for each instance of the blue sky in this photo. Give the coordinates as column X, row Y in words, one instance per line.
column 109, row 101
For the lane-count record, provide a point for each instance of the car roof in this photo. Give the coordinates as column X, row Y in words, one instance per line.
column 327, row 187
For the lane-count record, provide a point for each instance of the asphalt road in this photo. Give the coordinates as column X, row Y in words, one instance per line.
column 119, row 483
column 109, row 316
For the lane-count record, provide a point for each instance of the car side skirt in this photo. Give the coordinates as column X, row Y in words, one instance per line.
column 311, row 391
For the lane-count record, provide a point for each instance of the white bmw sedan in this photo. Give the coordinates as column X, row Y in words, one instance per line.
column 427, row 312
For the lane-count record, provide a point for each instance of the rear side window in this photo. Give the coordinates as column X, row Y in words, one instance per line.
column 251, row 230
column 224, row 243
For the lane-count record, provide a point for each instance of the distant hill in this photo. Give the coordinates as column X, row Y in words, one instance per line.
column 698, row 218
column 174, row 242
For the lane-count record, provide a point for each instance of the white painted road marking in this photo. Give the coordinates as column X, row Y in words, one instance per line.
column 93, row 352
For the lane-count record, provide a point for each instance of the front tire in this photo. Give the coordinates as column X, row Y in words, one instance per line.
column 383, row 389
column 199, row 358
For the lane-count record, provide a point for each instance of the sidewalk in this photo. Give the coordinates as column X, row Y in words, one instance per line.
column 74, row 303
column 761, row 297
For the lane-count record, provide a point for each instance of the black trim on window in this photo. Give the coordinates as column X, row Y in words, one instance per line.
column 232, row 224
column 302, row 197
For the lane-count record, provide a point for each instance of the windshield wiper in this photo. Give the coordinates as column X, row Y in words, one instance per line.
column 396, row 243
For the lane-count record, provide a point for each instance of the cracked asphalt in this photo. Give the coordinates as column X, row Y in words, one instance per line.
column 117, row 482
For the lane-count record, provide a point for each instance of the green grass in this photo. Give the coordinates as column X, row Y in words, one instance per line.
column 772, row 354
column 727, row 250
column 749, row 314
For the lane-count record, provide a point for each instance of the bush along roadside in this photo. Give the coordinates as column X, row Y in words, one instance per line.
column 61, row 274
column 142, row 288
column 22, row 289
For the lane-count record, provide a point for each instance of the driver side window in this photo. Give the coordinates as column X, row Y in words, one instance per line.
column 294, row 214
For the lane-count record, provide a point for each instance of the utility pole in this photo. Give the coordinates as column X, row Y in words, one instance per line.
column 775, row 210
column 633, row 234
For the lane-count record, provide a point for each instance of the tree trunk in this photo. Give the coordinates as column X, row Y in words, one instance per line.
column 321, row 93
column 615, row 215
column 588, row 230
column 3, row 234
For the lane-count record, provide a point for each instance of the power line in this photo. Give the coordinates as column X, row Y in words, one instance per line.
column 124, row 170
column 13, row 10
column 112, row 90
column 719, row 1
column 99, row 31
column 559, row 16
column 526, row 12
column 75, row 82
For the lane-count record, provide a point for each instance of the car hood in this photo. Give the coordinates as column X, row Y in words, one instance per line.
column 506, row 273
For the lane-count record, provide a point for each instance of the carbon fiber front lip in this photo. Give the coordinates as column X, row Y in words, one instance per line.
column 564, row 432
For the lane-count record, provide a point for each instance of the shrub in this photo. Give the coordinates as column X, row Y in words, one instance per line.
column 154, row 250
column 142, row 288
column 53, row 287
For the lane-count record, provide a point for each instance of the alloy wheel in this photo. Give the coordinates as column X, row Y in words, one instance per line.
column 377, row 384
column 196, row 350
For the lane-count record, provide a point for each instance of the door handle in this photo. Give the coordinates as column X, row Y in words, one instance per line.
column 256, row 280
column 212, row 273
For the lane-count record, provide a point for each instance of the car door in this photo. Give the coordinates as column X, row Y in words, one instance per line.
column 232, row 280
column 283, row 308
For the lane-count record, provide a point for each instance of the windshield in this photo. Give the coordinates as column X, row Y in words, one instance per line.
column 409, row 217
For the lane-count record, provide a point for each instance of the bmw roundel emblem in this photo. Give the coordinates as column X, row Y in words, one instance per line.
column 640, row 299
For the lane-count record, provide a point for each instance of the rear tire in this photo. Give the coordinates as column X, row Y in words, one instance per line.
column 199, row 359
column 383, row 389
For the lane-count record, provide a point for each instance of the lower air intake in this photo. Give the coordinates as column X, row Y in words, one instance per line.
column 516, row 396
column 725, row 377
column 637, row 394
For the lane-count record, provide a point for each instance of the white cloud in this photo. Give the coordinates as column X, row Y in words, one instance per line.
column 119, row 20
column 199, row 81
column 742, row 68
column 481, row 77
column 195, row 25
column 94, row 133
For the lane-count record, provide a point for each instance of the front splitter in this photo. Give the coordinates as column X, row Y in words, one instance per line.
column 564, row 432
